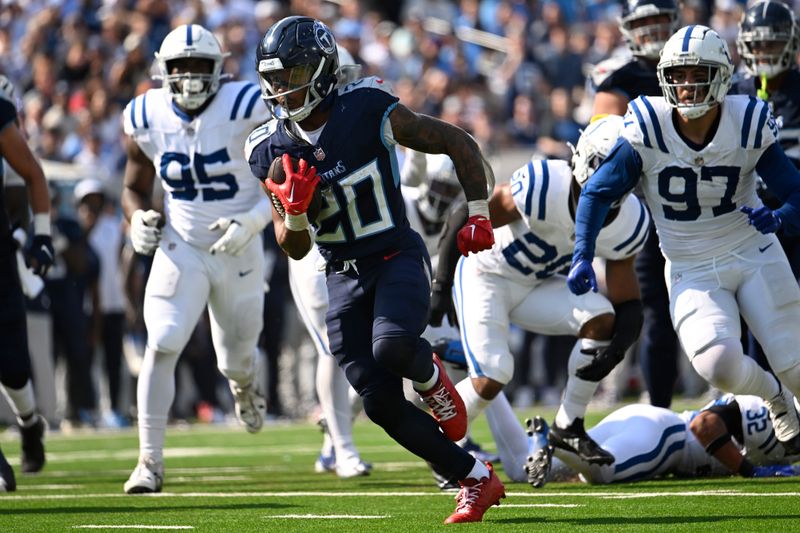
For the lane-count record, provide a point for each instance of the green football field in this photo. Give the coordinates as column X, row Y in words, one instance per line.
column 223, row 479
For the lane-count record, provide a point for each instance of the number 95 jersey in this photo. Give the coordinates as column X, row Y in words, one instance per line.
column 199, row 159
column 695, row 192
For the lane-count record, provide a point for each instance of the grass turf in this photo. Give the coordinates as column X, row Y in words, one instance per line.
column 223, row 479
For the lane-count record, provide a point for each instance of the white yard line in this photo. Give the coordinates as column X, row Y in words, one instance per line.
column 414, row 494
column 133, row 526
column 567, row 505
column 329, row 516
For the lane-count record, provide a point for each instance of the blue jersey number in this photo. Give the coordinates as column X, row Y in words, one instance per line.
column 186, row 187
column 365, row 205
column 547, row 256
column 690, row 209
column 756, row 421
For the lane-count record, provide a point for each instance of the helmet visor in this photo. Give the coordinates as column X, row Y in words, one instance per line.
column 288, row 80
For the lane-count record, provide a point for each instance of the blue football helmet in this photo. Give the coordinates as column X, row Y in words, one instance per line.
column 646, row 39
column 768, row 39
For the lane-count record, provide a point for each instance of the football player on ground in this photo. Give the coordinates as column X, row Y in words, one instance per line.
column 207, row 245
column 696, row 152
column 646, row 25
column 732, row 435
column 522, row 281
column 377, row 267
column 15, row 363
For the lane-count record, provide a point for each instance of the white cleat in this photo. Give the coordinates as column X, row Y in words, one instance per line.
column 251, row 407
column 783, row 415
column 148, row 476
column 354, row 468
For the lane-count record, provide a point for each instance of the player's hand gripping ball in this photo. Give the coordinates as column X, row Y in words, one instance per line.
column 303, row 177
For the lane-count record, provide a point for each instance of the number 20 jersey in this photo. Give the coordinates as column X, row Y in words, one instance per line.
column 363, row 210
column 539, row 244
column 200, row 159
column 695, row 193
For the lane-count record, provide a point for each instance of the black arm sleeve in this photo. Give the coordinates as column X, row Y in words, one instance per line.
column 448, row 245
column 628, row 320
column 731, row 417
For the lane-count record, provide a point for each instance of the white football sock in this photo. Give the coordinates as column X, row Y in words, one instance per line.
column 332, row 391
column 22, row 401
column 154, row 393
column 425, row 386
column 479, row 471
column 472, row 400
column 578, row 392
column 509, row 436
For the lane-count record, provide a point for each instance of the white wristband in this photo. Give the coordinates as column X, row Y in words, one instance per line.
column 296, row 222
column 41, row 224
column 478, row 208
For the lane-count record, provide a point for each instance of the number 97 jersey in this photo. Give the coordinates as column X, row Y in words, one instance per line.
column 200, row 159
column 695, row 192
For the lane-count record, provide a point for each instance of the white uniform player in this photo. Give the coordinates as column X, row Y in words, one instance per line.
column 191, row 134
column 650, row 442
column 697, row 153
column 521, row 281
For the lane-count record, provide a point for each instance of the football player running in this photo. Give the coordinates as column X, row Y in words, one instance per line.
column 731, row 435
column 697, row 152
column 522, row 281
column 377, row 268
column 207, row 245
column 16, row 383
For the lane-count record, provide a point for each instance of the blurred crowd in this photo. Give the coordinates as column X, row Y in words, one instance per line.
column 513, row 73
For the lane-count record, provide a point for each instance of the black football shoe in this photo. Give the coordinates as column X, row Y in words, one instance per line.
column 575, row 440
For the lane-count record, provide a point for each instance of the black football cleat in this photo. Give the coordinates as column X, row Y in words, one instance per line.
column 7, row 481
column 575, row 440
column 33, row 445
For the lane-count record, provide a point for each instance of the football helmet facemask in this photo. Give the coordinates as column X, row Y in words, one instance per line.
column 768, row 39
column 297, row 53
column 695, row 46
column 647, row 39
column 190, row 89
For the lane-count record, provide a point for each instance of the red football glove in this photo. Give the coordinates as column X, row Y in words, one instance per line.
column 476, row 235
column 297, row 189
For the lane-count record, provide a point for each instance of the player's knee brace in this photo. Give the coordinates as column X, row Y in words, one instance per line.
column 408, row 357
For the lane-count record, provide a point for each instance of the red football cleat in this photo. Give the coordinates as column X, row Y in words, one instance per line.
column 476, row 496
column 446, row 405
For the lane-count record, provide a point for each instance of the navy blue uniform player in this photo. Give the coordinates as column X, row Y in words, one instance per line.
column 646, row 25
column 15, row 363
column 768, row 42
column 378, row 270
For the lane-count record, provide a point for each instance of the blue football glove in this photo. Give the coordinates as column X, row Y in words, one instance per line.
column 581, row 277
column 776, row 471
column 763, row 219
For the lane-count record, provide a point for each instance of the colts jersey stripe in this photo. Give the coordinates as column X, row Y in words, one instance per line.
column 189, row 35
column 642, row 125
column 144, row 111
column 133, row 114
column 748, row 120
column 531, row 183
column 238, row 101
column 768, row 440
column 656, row 125
column 543, row 192
column 251, row 104
column 640, row 243
column 639, row 224
column 762, row 118
column 655, row 452
column 668, row 453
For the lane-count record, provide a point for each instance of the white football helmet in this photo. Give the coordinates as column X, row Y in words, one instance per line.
column 349, row 71
column 440, row 189
column 692, row 46
column 190, row 90
column 595, row 143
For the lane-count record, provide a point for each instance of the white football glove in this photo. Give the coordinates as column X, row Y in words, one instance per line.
column 240, row 228
column 145, row 233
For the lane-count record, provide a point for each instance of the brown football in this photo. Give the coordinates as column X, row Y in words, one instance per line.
column 277, row 175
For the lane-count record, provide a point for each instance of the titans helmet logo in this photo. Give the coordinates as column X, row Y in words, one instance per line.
column 324, row 38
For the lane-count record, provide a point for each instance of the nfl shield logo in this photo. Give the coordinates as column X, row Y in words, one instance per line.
column 319, row 154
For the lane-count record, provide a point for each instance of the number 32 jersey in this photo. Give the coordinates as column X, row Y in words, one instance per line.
column 694, row 192
column 200, row 159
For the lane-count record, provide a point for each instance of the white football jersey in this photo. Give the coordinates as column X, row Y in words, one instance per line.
column 695, row 195
column 540, row 243
column 200, row 160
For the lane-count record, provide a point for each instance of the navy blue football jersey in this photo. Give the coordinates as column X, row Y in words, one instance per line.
column 8, row 115
column 633, row 79
column 785, row 105
column 363, row 211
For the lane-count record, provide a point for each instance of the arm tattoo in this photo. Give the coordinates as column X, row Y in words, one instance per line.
column 433, row 136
